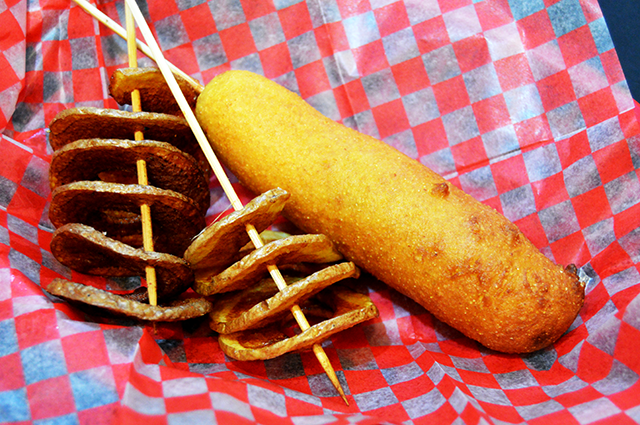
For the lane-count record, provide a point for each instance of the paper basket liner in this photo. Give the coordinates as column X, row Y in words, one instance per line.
column 522, row 104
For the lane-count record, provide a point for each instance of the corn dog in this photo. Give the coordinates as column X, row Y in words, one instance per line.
column 395, row 218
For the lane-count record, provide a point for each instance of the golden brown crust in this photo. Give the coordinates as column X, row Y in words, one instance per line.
column 392, row 216
column 167, row 167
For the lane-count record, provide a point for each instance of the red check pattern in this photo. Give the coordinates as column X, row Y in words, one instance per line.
column 522, row 104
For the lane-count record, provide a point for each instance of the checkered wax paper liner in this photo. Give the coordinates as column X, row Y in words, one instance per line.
column 521, row 103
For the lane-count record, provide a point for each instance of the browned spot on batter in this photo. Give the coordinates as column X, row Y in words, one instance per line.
column 571, row 269
column 468, row 271
column 513, row 234
column 427, row 252
column 474, row 223
column 540, row 340
column 543, row 285
column 526, row 284
column 440, row 190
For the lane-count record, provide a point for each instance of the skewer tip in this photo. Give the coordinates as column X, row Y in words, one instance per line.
column 328, row 369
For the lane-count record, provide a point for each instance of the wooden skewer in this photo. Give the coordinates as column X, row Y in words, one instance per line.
column 141, row 164
column 226, row 183
column 115, row 27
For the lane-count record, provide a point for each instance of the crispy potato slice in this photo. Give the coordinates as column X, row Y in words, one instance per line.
column 113, row 303
column 267, row 236
column 167, row 166
column 96, row 123
column 74, row 124
column 155, row 95
column 262, row 303
column 218, row 244
column 351, row 308
column 294, row 249
column 176, row 218
column 87, row 250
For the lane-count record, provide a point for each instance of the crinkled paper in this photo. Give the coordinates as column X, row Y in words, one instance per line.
column 523, row 104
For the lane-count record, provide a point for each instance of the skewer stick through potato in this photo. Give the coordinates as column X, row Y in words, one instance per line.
column 115, row 27
column 141, row 164
column 226, row 183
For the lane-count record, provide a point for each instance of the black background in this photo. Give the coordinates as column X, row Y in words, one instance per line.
column 623, row 19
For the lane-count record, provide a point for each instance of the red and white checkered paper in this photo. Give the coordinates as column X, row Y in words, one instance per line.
column 521, row 103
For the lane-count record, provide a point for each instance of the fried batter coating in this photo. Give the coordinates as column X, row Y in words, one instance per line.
column 392, row 216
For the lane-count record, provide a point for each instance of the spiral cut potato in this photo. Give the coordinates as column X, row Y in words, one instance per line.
column 154, row 95
column 87, row 250
column 86, row 295
column 392, row 216
column 346, row 308
column 248, row 304
column 95, row 208
column 167, row 166
column 262, row 303
column 96, row 201
column 218, row 245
